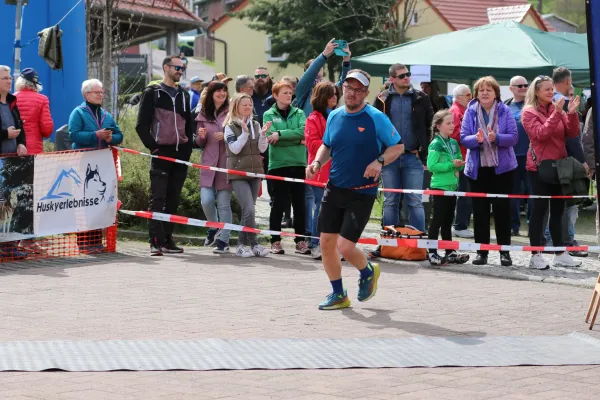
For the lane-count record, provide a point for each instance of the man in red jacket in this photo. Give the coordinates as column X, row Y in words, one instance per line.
column 462, row 97
column 35, row 110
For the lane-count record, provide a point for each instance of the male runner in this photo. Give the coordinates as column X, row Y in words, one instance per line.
column 355, row 138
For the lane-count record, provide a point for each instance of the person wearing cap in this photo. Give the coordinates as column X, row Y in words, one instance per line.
column 35, row 110
column 222, row 77
column 359, row 140
column 195, row 90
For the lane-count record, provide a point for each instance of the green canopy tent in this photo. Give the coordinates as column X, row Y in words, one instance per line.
column 502, row 49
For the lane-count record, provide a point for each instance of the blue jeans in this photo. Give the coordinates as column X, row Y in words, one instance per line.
column 464, row 205
column 223, row 197
column 318, row 196
column 568, row 225
column 404, row 173
column 310, row 199
column 520, row 176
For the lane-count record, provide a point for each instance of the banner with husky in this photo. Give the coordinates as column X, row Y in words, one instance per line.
column 74, row 192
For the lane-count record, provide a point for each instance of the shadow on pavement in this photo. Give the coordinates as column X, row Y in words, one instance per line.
column 56, row 267
column 383, row 319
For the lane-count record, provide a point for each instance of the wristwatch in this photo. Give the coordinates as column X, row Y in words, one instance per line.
column 381, row 160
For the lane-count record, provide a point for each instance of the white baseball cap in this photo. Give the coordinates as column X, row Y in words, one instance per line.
column 359, row 76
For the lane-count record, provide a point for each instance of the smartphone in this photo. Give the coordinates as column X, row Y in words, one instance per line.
column 342, row 44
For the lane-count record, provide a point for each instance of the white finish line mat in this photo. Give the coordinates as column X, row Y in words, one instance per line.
column 223, row 354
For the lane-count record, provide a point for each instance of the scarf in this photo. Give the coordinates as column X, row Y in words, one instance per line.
column 489, row 151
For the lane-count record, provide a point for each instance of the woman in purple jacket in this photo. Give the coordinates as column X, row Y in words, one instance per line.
column 210, row 138
column 489, row 132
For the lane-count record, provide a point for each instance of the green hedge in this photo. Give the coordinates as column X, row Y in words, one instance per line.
column 134, row 189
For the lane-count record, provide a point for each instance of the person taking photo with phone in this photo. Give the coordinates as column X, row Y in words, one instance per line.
column 92, row 127
column 313, row 74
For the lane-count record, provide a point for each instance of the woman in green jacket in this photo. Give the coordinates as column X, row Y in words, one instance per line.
column 287, row 157
column 444, row 162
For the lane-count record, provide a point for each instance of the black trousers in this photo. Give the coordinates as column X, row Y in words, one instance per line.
column 488, row 182
column 539, row 210
column 283, row 194
column 265, row 157
column 166, row 182
column 443, row 216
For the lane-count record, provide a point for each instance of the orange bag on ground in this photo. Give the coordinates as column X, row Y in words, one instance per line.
column 403, row 253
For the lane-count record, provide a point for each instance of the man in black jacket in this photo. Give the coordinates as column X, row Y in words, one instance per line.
column 12, row 140
column 411, row 114
column 165, row 127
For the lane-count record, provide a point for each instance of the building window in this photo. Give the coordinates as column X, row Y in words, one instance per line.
column 273, row 57
column 414, row 20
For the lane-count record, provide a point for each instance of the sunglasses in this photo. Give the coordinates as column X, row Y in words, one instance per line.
column 177, row 68
column 351, row 89
column 526, row 85
column 261, row 76
column 402, row 76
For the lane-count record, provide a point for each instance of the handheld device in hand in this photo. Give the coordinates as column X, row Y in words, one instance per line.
column 339, row 51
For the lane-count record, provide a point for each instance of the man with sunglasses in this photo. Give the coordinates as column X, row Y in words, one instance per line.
column 359, row 141
column 165, row 126
column 262, row 91
column 518, row 87
column 411, row 113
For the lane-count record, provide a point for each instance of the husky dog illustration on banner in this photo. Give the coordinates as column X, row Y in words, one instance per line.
column 94, row 185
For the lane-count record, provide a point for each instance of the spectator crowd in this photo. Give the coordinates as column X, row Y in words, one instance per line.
column 532, row 144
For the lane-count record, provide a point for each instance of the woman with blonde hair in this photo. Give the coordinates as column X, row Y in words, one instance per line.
column 245, row 142
column 489, row 132
column 35, row 110
column 547, row 126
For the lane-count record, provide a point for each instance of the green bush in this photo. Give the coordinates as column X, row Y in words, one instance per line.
column 134, row 189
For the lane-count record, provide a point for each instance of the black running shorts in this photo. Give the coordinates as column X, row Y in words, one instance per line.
column 345, row 211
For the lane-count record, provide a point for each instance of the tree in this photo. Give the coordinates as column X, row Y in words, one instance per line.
column 109, row 33
column 301, row 28
column 574, row 11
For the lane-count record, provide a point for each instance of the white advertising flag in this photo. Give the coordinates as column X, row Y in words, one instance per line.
column 74, row 192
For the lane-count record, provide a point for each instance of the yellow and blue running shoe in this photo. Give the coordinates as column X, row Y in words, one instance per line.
column 368, row 287
column 335, row 301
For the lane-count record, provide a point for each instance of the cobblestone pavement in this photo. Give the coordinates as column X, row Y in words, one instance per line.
column 200, row 295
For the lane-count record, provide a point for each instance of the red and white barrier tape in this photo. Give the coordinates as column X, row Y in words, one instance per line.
column 396, row 242
column 198, row 222
column 320, row 184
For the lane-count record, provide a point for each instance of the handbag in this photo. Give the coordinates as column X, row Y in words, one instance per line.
column 547, row 171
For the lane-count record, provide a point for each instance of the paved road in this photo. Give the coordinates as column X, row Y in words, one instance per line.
column 199, row 295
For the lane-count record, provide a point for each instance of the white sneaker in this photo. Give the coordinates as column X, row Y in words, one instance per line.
column 564, row 259
column 260, row 251
column 538, row 262
column 315, row 252
column 243, row 251
column 463, row 233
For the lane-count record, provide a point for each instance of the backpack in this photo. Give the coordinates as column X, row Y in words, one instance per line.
column 403, row 253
